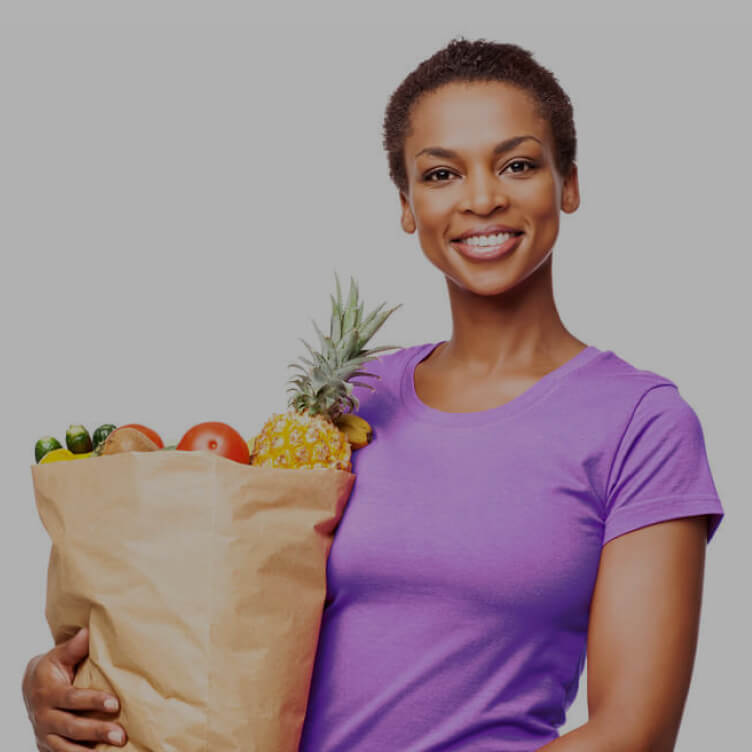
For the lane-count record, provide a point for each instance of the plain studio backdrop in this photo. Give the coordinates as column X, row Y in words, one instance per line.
column 176, row 198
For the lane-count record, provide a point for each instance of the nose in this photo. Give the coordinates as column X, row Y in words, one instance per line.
column 483, row 192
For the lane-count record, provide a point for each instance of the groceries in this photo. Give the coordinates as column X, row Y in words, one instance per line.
column 216, row 437
column 79, row 443
column 317, row 431
column 45, row 445
column 101, row 433
column 78, row 440
column 127, row 439
column 57, row 455
column 109, row 439
column 199, row 572
column 149, row 432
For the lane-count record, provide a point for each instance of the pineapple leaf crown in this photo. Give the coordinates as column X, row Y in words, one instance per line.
column 323, row 386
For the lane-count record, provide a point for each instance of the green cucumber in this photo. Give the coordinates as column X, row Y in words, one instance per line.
column 101, row 433
column 78, row 440
column 44, row 445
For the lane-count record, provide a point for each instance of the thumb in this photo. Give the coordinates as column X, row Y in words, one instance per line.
column 75, row 649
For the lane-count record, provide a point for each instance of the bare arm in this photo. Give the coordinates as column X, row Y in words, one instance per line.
column 642, row 639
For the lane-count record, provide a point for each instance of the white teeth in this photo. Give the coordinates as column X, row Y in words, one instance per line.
column 486, row 240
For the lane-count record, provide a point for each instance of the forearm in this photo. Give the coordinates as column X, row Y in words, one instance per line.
column 591, row 737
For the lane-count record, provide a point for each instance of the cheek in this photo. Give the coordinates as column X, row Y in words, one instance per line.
column 432, row 208
column 539, row 198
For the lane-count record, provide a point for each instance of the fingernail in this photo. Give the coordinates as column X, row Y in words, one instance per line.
column 116, row 737
column 111, row 704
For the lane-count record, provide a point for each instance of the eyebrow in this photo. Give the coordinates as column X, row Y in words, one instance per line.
column 510, row 143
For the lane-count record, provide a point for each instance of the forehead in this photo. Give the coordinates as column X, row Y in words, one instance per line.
column 469, row 115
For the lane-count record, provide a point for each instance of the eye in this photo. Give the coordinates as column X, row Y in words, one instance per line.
column 429, row 176
column 530, row 165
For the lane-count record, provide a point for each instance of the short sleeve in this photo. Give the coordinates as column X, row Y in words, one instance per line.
column 660, row 470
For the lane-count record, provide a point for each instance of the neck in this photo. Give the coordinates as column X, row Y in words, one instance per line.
column 514, row 330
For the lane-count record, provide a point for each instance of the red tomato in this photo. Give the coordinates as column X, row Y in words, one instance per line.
column 218, row 438
column 153, row 435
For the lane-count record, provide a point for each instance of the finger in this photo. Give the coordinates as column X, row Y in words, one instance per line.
column 76, row 728
column 73, row 698
column 55, row 743
column 73, row 651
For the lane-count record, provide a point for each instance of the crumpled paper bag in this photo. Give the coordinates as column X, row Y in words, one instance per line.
column 202, row 582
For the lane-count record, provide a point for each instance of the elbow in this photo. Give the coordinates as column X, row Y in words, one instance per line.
column 631, row 737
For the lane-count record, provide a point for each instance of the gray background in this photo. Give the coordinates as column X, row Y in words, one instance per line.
column 177, row 191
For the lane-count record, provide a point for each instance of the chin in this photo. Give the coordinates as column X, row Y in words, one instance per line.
column 486, row 283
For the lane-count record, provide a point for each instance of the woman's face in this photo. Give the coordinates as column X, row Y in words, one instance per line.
column 469, row 187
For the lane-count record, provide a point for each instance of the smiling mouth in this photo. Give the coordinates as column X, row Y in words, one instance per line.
column 481, row 240
column 502, row 244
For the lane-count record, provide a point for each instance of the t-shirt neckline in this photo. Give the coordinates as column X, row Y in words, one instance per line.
column 531, row 395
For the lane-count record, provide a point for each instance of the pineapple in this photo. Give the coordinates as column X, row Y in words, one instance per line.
column 316, row 431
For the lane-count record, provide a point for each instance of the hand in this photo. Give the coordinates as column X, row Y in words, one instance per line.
column 49, row 696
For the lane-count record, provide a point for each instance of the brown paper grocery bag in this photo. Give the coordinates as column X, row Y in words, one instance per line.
column 202, row 582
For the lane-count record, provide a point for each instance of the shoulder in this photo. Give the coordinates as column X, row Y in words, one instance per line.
column 621, row 376
column 659, row 467
column 620, row 415
column 611, row 388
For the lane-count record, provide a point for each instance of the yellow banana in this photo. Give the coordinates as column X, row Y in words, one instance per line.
column 356, row 429
column 360, row 422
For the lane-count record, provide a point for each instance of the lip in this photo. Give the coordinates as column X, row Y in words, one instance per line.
column 491, row 252
column 487, row 230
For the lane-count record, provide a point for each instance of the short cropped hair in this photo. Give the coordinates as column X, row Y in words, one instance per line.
column 479, row 60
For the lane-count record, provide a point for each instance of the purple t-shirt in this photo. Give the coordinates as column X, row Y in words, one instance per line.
column 460, row 577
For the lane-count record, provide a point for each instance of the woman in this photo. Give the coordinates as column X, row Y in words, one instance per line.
column 532, row 499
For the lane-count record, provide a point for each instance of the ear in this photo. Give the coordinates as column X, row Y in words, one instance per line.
column 407, row 221
column 570, row 191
